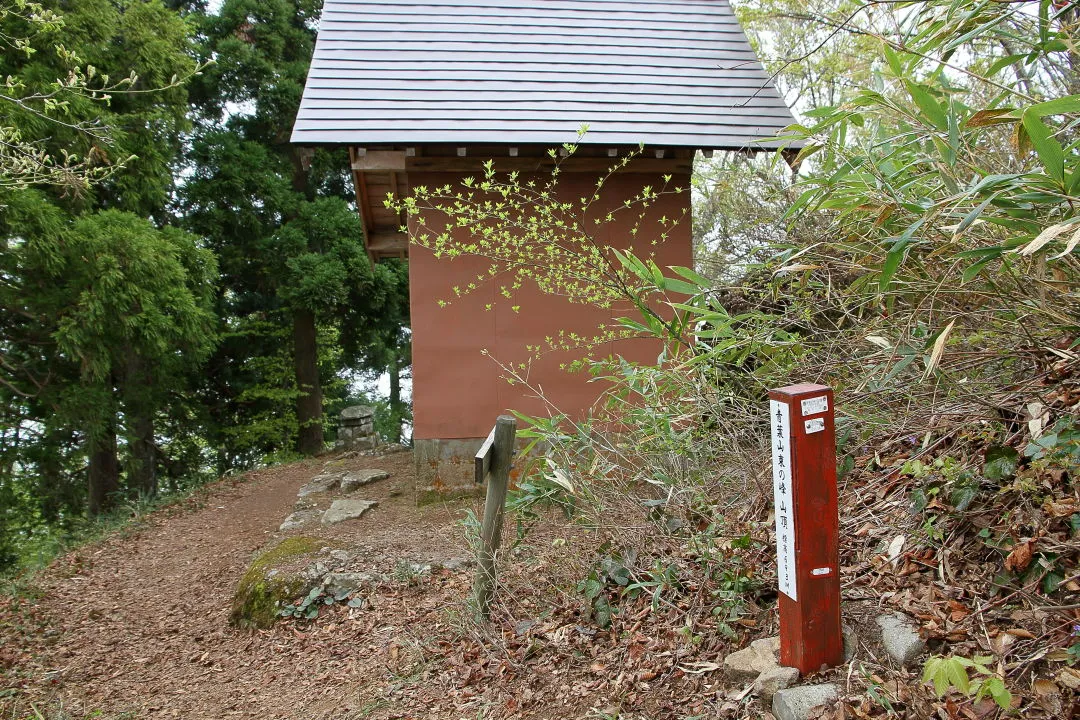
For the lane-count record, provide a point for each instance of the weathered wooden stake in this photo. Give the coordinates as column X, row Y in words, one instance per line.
column 501, row 453
column 807, row 526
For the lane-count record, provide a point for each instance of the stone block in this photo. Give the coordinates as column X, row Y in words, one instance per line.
column 367, row 442
column 357, row 412
column 445, row 468
column 796, row 703
column 355, row 438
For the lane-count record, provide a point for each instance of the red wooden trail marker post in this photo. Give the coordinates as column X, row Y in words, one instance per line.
column 807, row 526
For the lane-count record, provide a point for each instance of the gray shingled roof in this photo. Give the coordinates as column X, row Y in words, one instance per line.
column 672, row 73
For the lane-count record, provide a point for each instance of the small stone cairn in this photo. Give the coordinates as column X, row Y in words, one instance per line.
column 356, row 431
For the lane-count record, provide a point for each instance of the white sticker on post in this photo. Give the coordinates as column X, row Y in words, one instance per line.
column 821, row 571
column 814, row 425
column 815, row 405
column 782, row 495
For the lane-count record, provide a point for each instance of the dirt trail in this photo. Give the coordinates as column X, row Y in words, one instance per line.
column 139, row 623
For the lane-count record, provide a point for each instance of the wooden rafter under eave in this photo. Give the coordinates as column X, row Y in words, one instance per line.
column 382, row 239
column 383, row 245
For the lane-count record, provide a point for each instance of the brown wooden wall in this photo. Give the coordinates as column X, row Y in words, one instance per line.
column 457, row 390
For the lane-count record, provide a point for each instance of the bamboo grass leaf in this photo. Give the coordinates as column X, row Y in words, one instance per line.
column 939, row 349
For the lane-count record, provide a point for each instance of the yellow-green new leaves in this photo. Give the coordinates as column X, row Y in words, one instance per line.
column 952, row 672
column 529, row 231
column 60, row 126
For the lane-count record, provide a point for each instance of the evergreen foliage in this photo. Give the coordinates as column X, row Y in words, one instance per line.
column 137, row 357
column 281, row 220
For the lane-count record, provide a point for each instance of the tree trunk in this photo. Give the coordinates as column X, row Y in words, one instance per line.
column 309, row 403
column 139, row 409
column 104, row 470
column 143, row 455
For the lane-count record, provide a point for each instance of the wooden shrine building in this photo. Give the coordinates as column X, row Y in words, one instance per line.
column 422, row 92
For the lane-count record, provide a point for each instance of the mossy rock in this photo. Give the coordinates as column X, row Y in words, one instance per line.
column 273, row 580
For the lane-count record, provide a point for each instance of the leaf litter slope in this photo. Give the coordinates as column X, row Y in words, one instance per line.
column 139, row 623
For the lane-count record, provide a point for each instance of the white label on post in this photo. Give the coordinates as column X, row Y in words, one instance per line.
column 782, row 494
column 814, row 425
column 815, row 405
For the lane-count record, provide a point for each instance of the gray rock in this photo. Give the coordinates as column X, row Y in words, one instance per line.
column 797, row 702
column 458, row 563
column 742, row 666
column 586, row 631
column 365, row 443
column 851, row 644
column 299, row 519
column 314, row 572
column 413, row 569
column 773, row 680
column 673, row 524
column 356, row 442
column 900, row 638
column 356, row 412
column 352, row 481
column 356, row 430
column 347, row 509
column 320, row 483
column 747, row 664
column 348, row 433
column 346, row 582
column 341, row 556
column 768, row 648
column 363, row 426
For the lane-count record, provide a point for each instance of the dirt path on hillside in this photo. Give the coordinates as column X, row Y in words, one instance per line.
column 138, row 625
